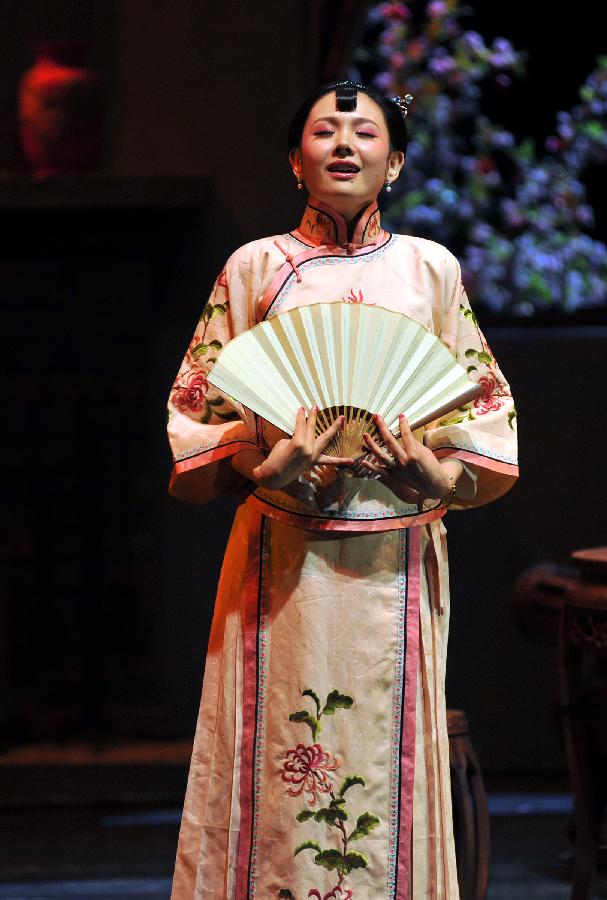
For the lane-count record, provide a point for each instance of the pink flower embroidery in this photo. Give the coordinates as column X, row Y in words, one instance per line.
column 191, row 395
column 306, row 769
column 490, row 398
column 222, row 280
column 188, row 353
column 353, row 297
column 335, row 894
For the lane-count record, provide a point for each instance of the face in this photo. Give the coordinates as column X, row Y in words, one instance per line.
column 345, row 157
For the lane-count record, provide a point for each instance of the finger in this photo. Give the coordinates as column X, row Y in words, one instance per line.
column 323, row 440
column 311, row 427
column 380, row 453
column 335, row 460
column 300, row 423
column 386, row 435
column 405, row 432
column 372, row 467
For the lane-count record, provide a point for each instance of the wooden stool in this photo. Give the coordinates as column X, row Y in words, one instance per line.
column 583, row 682
column 553, row 603
column 470, row 813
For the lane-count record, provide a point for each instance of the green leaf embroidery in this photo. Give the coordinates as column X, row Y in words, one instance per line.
column 310, row 693
column 335, row 700
column 349, row 781
column 455, row 421
column 471, row 369
column 200, row 349
column 304, row 716
column 216, row 345
column 365, row 823
column 471, row 416
column 355, row 860
column 511, row 416
column 206, row 416
column 304, row 815
column 218, row 310
column 307, row 845
column 206, row 312
column 469, row 314
column 330, row 815
column 485, row 357
column 331, row 859
column 470, row 352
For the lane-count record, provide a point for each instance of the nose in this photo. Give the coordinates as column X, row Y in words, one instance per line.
column 342, row 148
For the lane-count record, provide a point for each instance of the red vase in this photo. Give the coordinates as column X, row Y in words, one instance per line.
column 60, row 115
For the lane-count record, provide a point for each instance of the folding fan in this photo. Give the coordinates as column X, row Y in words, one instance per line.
column 348, row 359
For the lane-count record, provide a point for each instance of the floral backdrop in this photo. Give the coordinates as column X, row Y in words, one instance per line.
column 516, row 214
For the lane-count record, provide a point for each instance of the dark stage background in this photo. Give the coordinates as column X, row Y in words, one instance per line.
column 108, row 584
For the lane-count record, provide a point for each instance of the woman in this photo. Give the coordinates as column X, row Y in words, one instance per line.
column 320, row 765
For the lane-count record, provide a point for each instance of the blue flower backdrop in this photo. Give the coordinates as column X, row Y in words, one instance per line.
column 517, row 216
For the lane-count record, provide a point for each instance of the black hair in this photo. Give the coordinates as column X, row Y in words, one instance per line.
column 346, row 95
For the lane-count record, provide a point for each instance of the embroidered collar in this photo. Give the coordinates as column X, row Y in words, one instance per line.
column 321, row 224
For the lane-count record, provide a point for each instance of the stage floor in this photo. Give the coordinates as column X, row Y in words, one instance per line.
column 107, row 853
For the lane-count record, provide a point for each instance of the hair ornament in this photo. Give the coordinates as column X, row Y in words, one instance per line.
column 350, row 84
column 403, row 103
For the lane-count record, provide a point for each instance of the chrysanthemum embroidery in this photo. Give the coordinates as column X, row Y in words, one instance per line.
column 190, row 391
column 308, row 770
column 495, row 390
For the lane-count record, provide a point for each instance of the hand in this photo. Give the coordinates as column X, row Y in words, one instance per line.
column 410, row 470
column 290, row 457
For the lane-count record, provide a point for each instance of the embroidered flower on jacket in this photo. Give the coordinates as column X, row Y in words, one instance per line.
column 189, row 358
column 306, row 769
column 354, row 297
column 490, row 399
column 335, row 894
column 191, row 393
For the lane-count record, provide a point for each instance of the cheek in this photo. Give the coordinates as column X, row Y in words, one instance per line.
column 310, row 151
column 377, row 154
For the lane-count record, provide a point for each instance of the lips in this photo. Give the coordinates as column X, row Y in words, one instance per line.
column 347, row 168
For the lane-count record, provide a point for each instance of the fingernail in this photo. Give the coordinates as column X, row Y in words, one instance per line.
column 401, row 416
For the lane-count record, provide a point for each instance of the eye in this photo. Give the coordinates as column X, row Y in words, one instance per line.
column 366, row 134
column 323, row 131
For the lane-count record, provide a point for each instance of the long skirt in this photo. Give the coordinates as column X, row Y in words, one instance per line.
column 321, row 762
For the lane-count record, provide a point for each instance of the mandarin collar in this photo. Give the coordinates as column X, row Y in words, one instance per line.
column 322, row 224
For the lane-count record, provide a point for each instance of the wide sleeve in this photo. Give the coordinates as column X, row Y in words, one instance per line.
column 482, row 433
column 205, row 427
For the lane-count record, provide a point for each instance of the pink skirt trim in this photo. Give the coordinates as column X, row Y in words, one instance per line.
column 357, row 526
column 211, row 455
column 407, row 762
column 485, row 462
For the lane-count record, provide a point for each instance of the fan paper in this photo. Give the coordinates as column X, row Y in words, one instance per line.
column 347, row 359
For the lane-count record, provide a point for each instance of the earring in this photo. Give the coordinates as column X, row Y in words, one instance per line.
column 388, row 187
column 299, row 183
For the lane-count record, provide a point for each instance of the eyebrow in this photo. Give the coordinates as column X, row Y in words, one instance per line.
column 358, row 120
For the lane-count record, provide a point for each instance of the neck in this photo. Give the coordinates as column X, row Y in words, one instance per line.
column 351, row 212
column 324, row 223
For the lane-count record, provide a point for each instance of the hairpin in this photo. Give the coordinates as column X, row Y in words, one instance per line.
column 351, row 84
column 403, row 103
